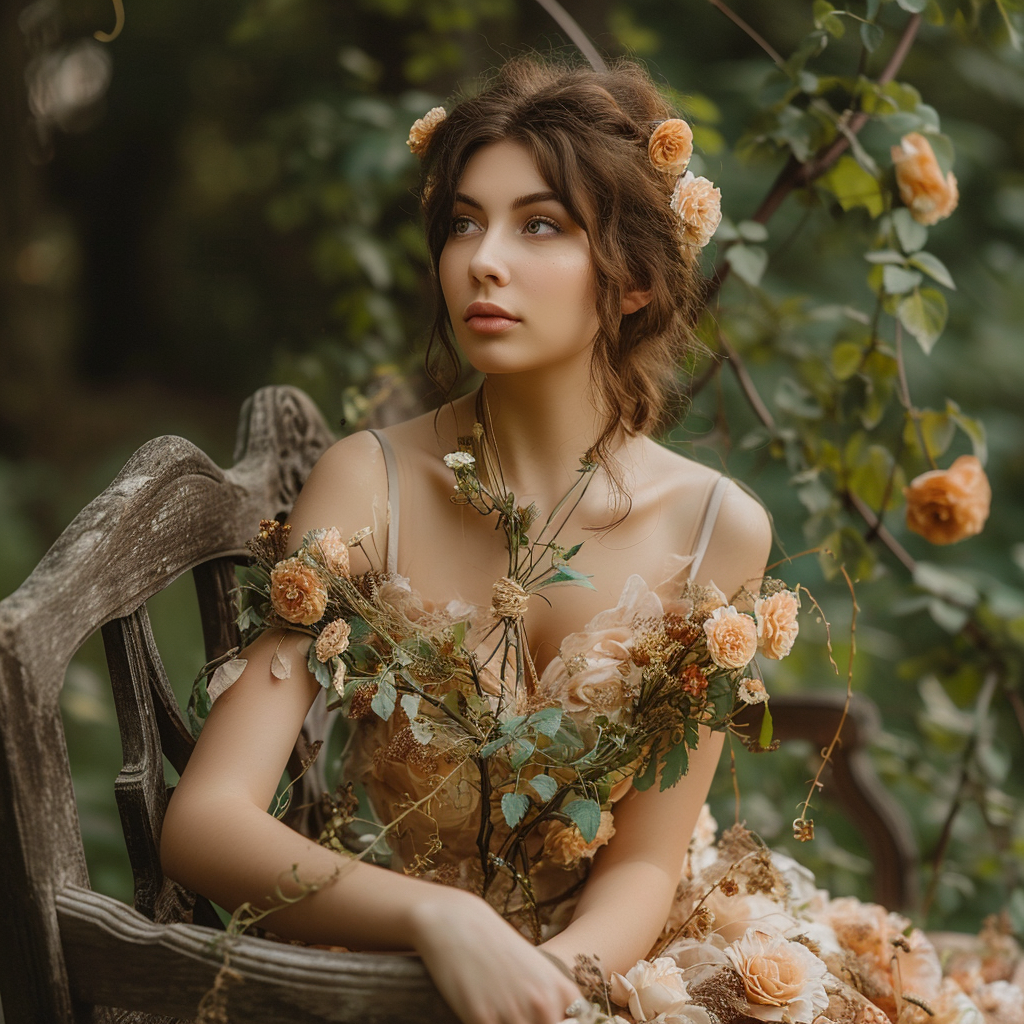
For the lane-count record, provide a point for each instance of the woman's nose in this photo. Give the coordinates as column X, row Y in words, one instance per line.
column 489, row 260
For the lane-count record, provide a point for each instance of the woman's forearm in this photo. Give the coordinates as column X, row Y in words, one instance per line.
column 234, row 853
column 619, row 917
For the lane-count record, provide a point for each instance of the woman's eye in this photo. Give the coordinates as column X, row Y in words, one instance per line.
column 541, row 226
column 461, row 225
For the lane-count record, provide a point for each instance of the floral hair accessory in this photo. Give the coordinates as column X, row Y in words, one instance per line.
column 699, row 206
column 671, row 146
column 423, row 130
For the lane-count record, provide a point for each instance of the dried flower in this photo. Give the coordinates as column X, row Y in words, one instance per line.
column 777, row 626
column 459, row 460
column 671, row 146
column 565, row 845
column 423, row 129
column 333, row 640
column 695, row 682
column 929, row 196
column 297, row 592
column 330, row 551
column 508, row 599
column 338, row 679
column 752, row 691
column 699, row 206
column 732, row 637
column 947, row 505
column 782, row 979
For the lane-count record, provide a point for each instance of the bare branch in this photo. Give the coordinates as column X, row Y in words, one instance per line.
column 571, row 28
column 756, row 36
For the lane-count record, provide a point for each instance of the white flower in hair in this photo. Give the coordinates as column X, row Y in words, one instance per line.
column 699, row 206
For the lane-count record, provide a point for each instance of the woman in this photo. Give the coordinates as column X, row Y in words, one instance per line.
column 567, row 280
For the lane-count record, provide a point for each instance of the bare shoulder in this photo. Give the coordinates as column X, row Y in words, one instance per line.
column 347, row 489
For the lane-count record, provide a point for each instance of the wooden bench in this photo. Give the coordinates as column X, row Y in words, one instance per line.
column 71, row 954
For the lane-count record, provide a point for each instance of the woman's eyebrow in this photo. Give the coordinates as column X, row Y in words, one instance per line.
column 528, row 200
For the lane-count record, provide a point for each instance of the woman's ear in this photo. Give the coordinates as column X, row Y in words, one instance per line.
column 635, row 299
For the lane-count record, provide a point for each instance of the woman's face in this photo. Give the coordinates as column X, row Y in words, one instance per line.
column 516, row 270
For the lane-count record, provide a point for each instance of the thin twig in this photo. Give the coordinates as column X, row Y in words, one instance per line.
column 938, row 855
column 878, row 530
column 746, row 382
column 571, row 28
column 905, row 400
column 756, row 36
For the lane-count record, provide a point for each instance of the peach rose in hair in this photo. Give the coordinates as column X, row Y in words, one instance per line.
column 423, row 128
column 947, row 505
column 732, row 637
column 296, row 592
column 929, row 196
column 699, row 206
column 671, row 146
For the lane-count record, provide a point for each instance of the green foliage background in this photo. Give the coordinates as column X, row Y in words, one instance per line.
column 238, row 210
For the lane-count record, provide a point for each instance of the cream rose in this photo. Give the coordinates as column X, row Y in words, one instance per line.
column 782, row 979
column 777, row 626
column 752, row 691
column 1000, row 1002
column 699, row 206
column 929, row 196
column 671, row 146
column 657, row 990
column 732, row 637
column 947, row 505
column 296, row 592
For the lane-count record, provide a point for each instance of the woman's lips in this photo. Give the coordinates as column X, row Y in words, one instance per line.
column 486, row 318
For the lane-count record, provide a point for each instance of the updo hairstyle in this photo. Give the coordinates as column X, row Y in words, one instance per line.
column 588, row 133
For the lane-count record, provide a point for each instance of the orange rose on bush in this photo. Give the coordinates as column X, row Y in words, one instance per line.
column 297, row 593
column 947, row 505
column 929, row 196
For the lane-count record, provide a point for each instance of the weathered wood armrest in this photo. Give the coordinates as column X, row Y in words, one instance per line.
column 117, row 957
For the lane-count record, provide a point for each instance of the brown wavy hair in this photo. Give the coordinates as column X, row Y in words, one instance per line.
column 588, row 133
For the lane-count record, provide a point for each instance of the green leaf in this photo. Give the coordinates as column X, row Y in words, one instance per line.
column 846, row 359
column 547, row 721
column 885, row 256
column 565, row 574
column 923, row 314
column 421, row 730
column 411, row 705
column 586, row 815
column 851, row 550
column 825, row 17
column 545, row 786
column 853, row 186
column 914, row 6
column 938, row 430
column 522, row 753
column 870, row 478
column 899, row 280
column 764, row 738
column 514, row 806
column 747, row 261
column 871, row 36
column 645, row 779
column 933, row 267
column 674, row 766
column 795, row 399
column 493, row 746
column 752, row 231
column 912, row 235
column 320, row 670
column 383, row 702
column 973, row 428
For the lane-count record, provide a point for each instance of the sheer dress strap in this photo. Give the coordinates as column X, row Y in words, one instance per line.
column 708, row 523
column 391, row 465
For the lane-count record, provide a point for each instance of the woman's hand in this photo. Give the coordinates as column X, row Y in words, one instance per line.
column 486, row 971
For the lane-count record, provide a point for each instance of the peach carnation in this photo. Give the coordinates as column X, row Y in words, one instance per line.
column 782, row 979
column 423, row 128
column 777, row 627
column 296, row 592
column 565, row 845
column 330, row 551
column 947, row 505
column 732, row 637
column 929, row 196
column 333, row 640
column 699, row 206
column 671, row 146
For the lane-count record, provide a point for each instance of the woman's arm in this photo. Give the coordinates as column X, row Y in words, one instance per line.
column 219, row 839
column 626, row 900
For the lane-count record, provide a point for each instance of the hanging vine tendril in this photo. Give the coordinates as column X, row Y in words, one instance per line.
column 109, row 37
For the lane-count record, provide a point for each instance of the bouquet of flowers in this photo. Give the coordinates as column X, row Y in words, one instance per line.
column 461, row 694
